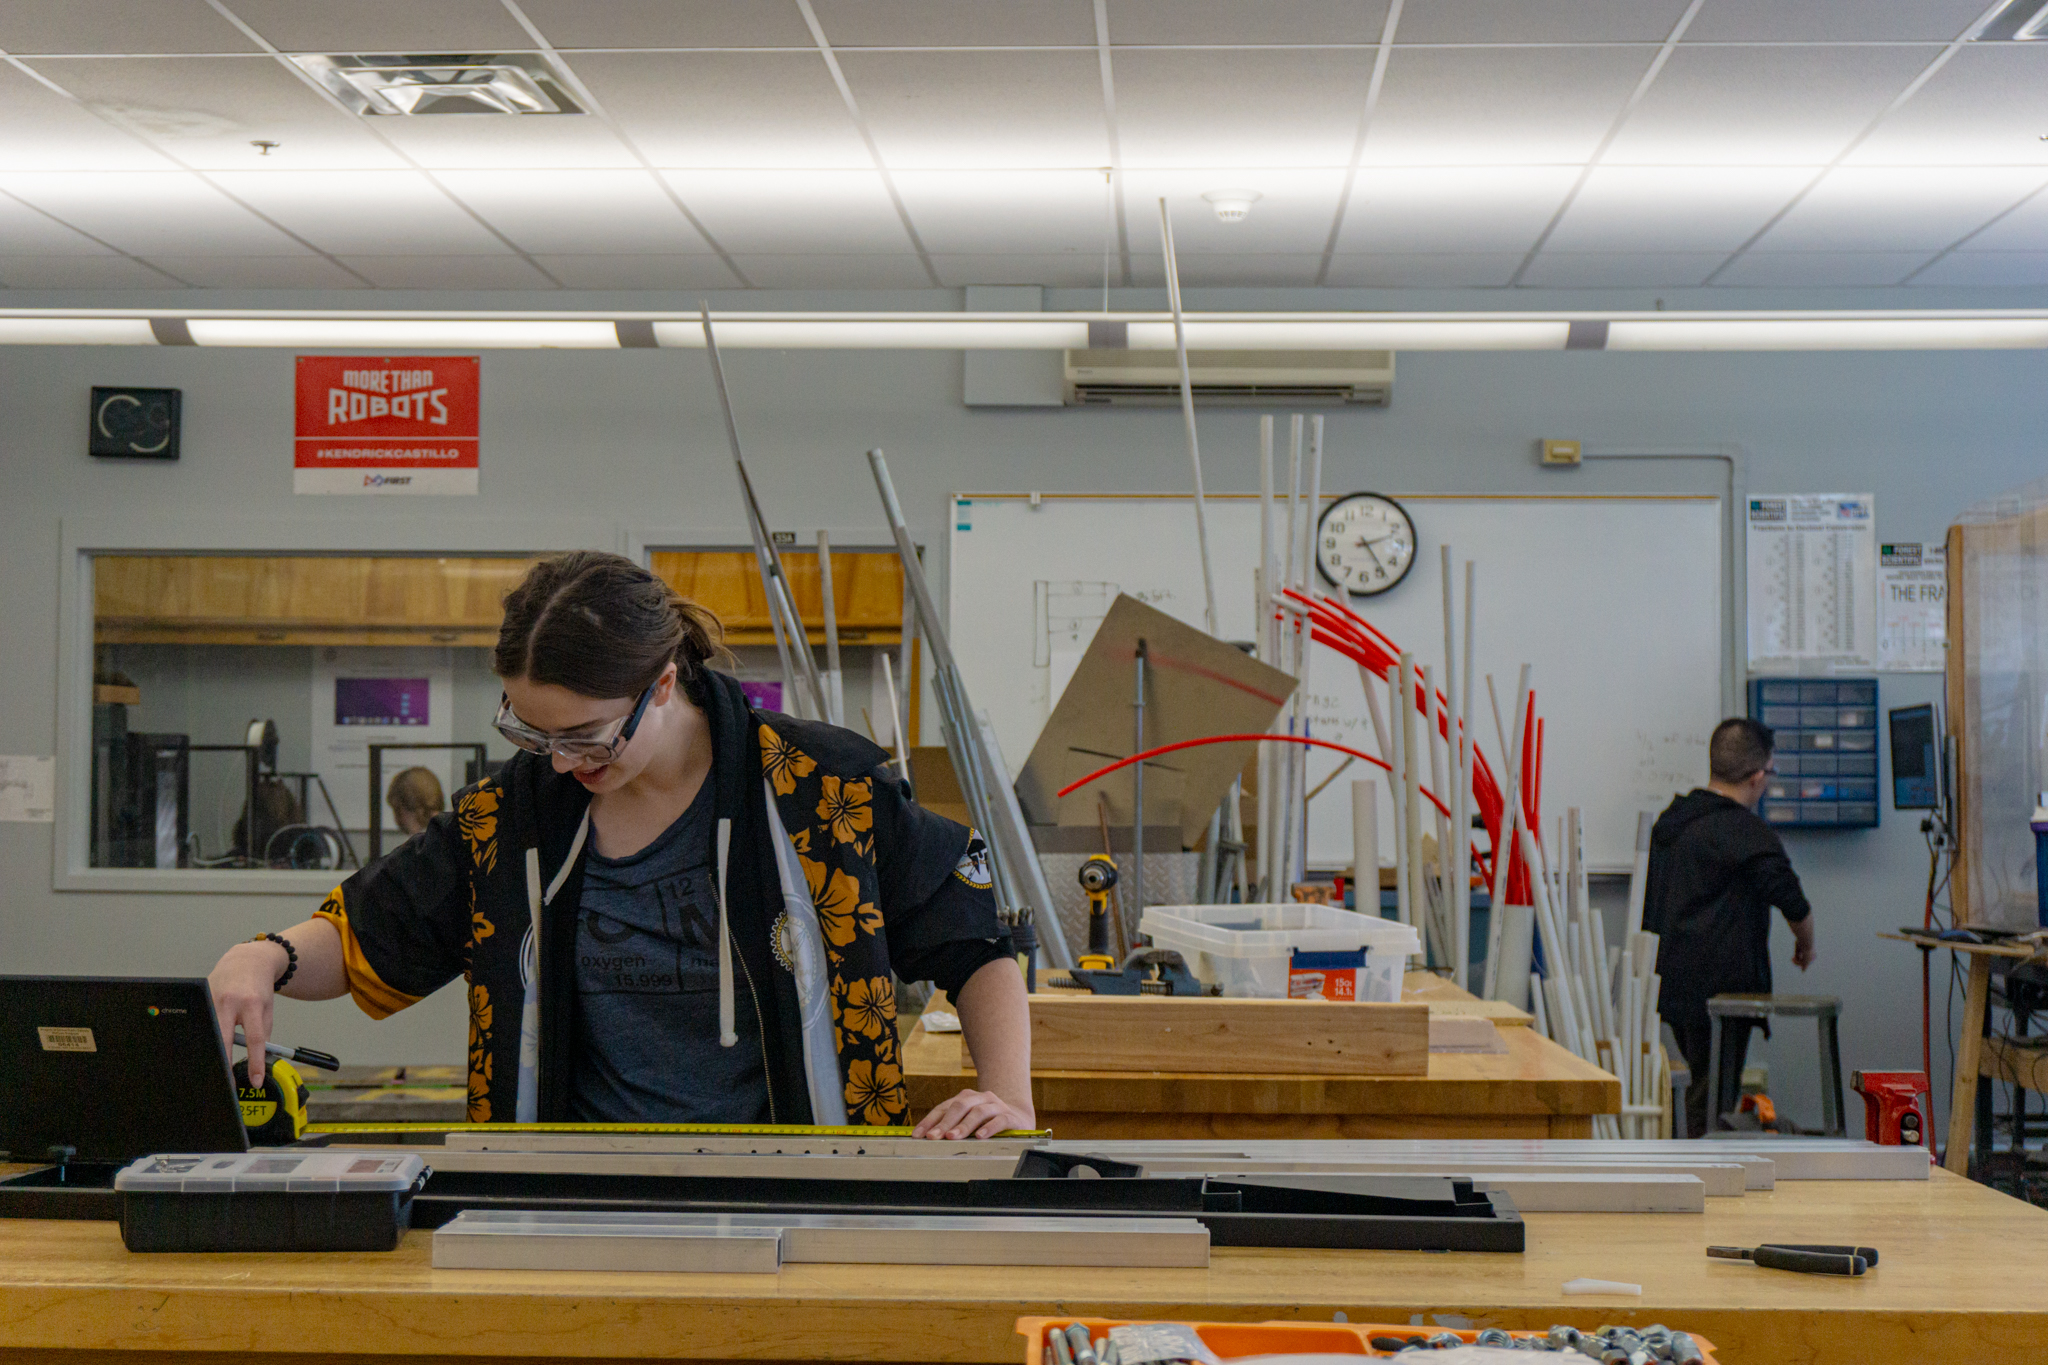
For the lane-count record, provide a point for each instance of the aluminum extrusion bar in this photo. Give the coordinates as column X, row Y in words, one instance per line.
column 1532, row 1192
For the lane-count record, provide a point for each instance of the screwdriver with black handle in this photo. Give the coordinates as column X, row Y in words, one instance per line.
column 1808, row 1258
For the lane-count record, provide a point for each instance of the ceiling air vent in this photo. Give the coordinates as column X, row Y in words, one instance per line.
column 1106, row 377
column 414, row 85
column 2020, row 21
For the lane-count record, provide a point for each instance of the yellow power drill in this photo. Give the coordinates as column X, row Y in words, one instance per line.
column 1098, row 878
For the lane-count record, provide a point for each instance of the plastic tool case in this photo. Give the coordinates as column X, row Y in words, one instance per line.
column 276, row 1200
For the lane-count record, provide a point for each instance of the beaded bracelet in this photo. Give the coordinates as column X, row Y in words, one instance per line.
column 290, row 953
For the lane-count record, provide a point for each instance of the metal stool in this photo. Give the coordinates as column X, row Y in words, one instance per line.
column 1824, row 1010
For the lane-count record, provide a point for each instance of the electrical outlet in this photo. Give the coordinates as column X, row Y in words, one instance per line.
column 1563, row 454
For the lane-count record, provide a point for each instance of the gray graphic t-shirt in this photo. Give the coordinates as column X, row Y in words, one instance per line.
column 647, row 989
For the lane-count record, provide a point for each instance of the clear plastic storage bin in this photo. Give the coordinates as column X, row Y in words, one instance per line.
column 1246, row 949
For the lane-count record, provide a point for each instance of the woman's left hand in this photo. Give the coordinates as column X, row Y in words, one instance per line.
column 974, row 1114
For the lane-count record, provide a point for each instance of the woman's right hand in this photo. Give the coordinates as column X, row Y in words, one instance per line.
column 244, row 990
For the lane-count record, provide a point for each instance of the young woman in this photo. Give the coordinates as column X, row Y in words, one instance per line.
column 669, row 906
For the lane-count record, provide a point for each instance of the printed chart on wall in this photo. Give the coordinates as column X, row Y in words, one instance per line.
column 386, row 424
column 393, row 696
column 1812, row 561
column 1912, row 606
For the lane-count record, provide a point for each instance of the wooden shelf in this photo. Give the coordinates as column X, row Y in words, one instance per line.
column 867, row 592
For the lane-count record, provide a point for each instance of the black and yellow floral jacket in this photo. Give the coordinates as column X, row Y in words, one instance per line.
column 893, row 889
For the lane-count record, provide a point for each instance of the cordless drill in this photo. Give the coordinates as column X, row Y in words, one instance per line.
column 1098, row 878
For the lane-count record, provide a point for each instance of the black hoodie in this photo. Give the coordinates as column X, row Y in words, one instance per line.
column 1716, row 869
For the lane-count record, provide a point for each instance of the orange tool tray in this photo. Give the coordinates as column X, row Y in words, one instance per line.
column 1231, row 1339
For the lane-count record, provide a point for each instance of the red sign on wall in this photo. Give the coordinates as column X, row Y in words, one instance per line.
column 386, row 424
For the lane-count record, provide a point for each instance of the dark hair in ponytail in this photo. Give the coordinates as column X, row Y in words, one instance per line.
column 602, row 626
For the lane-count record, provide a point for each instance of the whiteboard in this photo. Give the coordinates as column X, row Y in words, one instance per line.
column 1615, row 602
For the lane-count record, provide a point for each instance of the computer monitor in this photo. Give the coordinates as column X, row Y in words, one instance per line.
column 1916, row 771
column 113, row 1067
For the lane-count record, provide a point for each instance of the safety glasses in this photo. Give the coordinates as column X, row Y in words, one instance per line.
column 576, row 748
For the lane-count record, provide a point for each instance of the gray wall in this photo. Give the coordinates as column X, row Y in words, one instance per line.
column 635, row 437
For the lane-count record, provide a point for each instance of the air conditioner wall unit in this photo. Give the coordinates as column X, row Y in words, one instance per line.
column 1126, row 378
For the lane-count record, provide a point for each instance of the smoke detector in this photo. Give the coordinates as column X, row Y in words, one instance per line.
column 406, row 85
column 1233, row 206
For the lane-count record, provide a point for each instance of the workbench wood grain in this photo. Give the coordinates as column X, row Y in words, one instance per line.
column 1944, row 1292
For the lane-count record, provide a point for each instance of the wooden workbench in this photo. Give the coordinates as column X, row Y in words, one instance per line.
column 1945, row 1291
column 1536, row 1089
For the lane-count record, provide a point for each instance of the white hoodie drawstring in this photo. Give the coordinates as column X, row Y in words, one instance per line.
column 526, row 1102
column 727, row 1034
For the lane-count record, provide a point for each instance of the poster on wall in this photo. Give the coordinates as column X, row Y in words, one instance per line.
column 1812, row 560
column 386, row 424
column 1912, row 606
column 398, row 695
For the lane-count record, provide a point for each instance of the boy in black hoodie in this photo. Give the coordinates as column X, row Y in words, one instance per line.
column 1716, row 869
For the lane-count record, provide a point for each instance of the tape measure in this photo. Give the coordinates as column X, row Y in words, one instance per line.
column 798, row 1130
column 275, row 1115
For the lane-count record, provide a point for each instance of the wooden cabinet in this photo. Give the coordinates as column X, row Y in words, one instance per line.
column 867, row 592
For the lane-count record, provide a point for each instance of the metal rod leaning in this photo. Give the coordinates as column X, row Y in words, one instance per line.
column 1187, row 410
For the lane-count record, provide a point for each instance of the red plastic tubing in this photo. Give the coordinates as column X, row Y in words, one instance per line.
column 1240, row 739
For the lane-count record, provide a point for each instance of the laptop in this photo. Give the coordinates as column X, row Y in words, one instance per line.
column 112, row 1068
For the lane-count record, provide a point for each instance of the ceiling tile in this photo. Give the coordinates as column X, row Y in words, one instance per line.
column 1500, row 106
column 1982, row 269
column 1460, row 209
column 42, row 130
column 472, row 142
column 1762, row 106
column 1537, row 21
column 1822, row 269
column 981, row 109
column 2023, row 229
column 25, row 232
column 811, row 212
column 80, row 272
column 205, row 111
column 1661, row 209
column 1293, row 213
column 741, row 110
column 1899, row 209
column 668, row 23
column 1423, row 270
column 448, row 272
column 362, row 213
column 578, row 212
column 1621, row 270
column 258, row 272
column 1232, row 23
column 171, row 213
column 956, row 23
column 1230, row 270
column 384, row 25
column 1078, row 270
column 1775, row 21
column 1239, row 107
column 834, row 272
column 1041, row 212
column 1983, row 106
column 32, row 27
column 701, row 271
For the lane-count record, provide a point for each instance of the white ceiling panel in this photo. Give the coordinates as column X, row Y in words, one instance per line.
column 1807, row 21
column 1905, row 208
column 1537, row 21
column 447, row 272
column 258, row 272
column 1423, row 270
column 828, row 213
column 1045, row 213
column 740, row 110
column 383, row 25
column 668, row 23
column 2023, row 229
column 1662, row 209
column 362, row 213
column 1078, row 270
column 600, row 212
column 1239, row 107
column 1500, row 106
column 32, row 27
column 80, row 272
column 834, row 272
column 41, row 130
column 981, row 109
column 956, row 23
column 1233, row 23
column 1762, row 106
column 1987, row 270
column 1292, row 214
column 1621, row 270
column 25, row 232
column 205, row 111
column 170, row 213
column 1461, row 209
column 1822, row 269
column 700, row 271
column 478, row 141
column 1200, row 270
column 1984, row 106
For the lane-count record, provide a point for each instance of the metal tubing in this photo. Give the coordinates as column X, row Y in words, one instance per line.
column 1138, row 789
column 1187, row 410
column 835, row 687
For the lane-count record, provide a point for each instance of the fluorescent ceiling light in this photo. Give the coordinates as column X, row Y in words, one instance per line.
column 931, row 333
column 36, row 331
column 1306, row 333
column 430, row 334
column 1827, row 334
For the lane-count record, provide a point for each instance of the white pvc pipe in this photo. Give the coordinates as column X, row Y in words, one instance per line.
column 1365, row 845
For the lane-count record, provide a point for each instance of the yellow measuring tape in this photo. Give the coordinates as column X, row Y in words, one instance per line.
column 688, row 1129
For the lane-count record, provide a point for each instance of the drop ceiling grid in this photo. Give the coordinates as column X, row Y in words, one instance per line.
column 988, row 122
